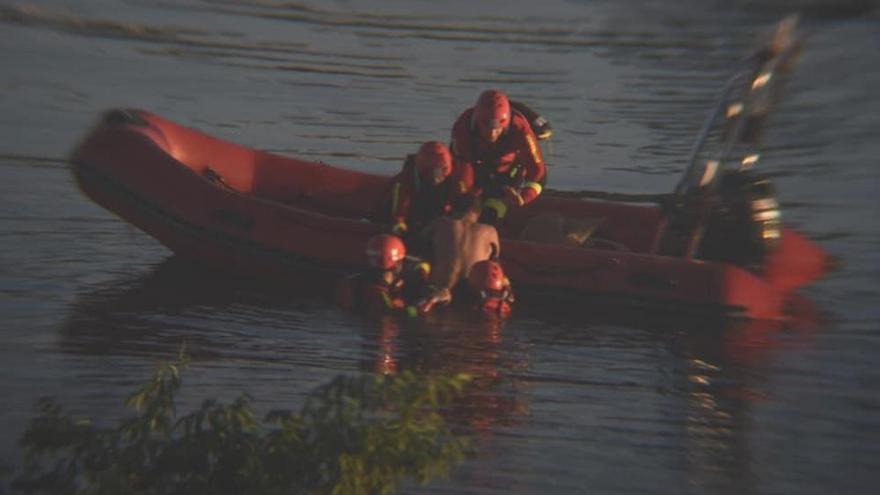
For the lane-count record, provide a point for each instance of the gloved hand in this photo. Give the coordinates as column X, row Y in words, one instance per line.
column 528, row 194
column 513, row 197
column 437, row 297
column 519, row 197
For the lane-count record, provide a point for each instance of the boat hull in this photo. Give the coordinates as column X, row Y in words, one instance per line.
column 257, row 213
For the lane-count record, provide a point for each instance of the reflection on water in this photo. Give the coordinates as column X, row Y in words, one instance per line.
column 712, row 375
column 454, row 342
column 179, row 303
column 726, row 370
column 718, row 365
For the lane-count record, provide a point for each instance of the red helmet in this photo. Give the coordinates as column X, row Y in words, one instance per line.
column 384, row 251
column 434, row 161
column 487, row 275
column 492, row 114
column 487, row 280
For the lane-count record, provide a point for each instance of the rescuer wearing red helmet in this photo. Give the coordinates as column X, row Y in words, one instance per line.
column 386, row 252
column 498, row 143
column 384, row 287
column 490, row 289
column 423, row 190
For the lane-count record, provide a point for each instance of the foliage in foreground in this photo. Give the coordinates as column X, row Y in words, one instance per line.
column 354, row 435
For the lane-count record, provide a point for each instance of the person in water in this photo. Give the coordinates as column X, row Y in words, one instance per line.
column 490, row 289
column 388, row 284
column 424, row 190
column 456, row 244
column 498, row 144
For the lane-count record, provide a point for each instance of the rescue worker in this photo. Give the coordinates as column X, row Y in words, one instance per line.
column 388, row 284
column 501, row 148
column 456, row 245
column 423, row 190
column 490, row 289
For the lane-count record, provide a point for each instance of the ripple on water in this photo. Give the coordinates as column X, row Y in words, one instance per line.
column 604, row 399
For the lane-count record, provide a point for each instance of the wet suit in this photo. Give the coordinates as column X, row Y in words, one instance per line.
column 508, row 173
column 381, row 292
column 496, row 303
column 411, row 202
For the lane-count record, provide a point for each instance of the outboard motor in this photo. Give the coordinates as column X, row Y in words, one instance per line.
column 745, row 223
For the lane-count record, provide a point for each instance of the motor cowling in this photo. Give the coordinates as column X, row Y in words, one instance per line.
column 745, row 223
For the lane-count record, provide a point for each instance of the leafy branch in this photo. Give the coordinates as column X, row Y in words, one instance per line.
column 353, row 436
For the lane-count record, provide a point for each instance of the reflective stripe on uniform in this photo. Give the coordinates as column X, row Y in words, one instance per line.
column 497, row 205
column 533, row 147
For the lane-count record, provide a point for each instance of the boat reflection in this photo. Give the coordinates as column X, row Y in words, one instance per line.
column 719, row 374
column 729, row 373
column 715, row 371
column 176, row 303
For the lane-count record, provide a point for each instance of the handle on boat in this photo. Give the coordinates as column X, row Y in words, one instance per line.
column 722, row 101
column 734, row 127
column 754, row 81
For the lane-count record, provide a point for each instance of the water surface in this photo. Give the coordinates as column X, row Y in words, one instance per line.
column 567, row 401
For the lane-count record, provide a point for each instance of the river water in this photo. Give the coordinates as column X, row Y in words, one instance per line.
column 569, row 400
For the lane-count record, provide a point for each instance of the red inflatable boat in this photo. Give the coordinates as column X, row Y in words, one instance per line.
column 241, row 209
